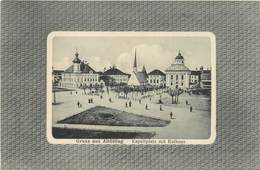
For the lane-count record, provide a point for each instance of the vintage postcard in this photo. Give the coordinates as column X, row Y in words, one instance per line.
column 131, row 88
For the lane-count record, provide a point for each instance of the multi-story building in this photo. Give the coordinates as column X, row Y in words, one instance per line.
column 195, row 77
column 79, row 74
column 157, row 78
column 117, row 75
column 205, row 79
column 177, row 74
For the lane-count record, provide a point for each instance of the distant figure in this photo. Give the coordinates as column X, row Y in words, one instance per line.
column 187, row 103
column 76, row 92
column 190, row 108
column 146, row 106
column 92, row 101
column 139, row 101
column 110, row 100
column 78, row 103
column 125, row 104
column 88, row 100
column 171, row 115
column 160, row 107
column 71, row 92
column 130, row 104
column 101, row 97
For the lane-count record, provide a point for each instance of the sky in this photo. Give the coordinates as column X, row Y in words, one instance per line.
column 153, row 52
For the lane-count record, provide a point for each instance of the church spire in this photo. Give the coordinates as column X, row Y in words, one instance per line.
column 135, row 63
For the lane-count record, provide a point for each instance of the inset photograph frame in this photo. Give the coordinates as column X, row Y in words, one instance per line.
column 131, row 88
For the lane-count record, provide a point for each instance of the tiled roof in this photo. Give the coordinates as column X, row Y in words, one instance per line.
column 141, row 77
column 114, row 71
column 156, row 72
column 177, row 67
column 69, row 69
column 197, row 72
column 84, row 68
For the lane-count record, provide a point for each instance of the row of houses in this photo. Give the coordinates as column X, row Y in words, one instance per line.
column 177, row 75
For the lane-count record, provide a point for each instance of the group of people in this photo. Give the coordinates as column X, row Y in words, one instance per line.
column 128, row 104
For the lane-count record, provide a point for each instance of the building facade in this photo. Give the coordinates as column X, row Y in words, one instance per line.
column 117, row 75
column 79, row 74
column 205, row 82
column 177, row 74
column 157, row 78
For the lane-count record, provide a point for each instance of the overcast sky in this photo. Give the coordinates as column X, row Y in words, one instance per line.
column 153, row 52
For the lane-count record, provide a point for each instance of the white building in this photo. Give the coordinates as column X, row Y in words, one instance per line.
column 138, row 78
column 79, row 74
column 205, row 82
column 117, row 75
column 177, row 74
column 157, row 78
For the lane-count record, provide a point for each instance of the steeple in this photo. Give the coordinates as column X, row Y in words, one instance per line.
column 179, row 58
column 76, row 59
column 145, row 72
column 135, row 63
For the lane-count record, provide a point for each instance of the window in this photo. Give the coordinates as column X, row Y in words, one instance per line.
column 151, row 81
column 171, row 76
column 176, row 77
column 157, row 81
column 182, row 77
column 171, row 83
column 182, row 84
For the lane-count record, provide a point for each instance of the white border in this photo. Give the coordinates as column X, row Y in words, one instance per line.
column 212, row 37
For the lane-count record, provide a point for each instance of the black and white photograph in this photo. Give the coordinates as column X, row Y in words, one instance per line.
column 129, row 86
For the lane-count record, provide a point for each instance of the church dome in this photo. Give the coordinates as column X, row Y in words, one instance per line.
column 76, row 59
column 179, row 56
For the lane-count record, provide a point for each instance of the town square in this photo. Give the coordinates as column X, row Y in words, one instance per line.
column 169, row 103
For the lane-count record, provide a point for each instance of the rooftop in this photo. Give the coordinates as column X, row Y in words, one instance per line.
column 156, row 72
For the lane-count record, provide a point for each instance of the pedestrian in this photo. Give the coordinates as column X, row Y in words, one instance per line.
column 130, row 104
column 78, row 104
column 171, row 115
column 139, row 101
column 92, row 101
column 71, row 92
column 190, row 108
column 160, row 107
column 146, row 106
column 110, row 100
column 89, row 100
column 76, row 92
column 125, row 104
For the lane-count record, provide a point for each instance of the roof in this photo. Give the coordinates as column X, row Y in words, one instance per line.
column 177, row 67
column 84, row 68
column 58, row 71
column 179, row 56
column 197, row 72
column 137, row 79
column 141, row 77
column 114, row 71
column 156, row 72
